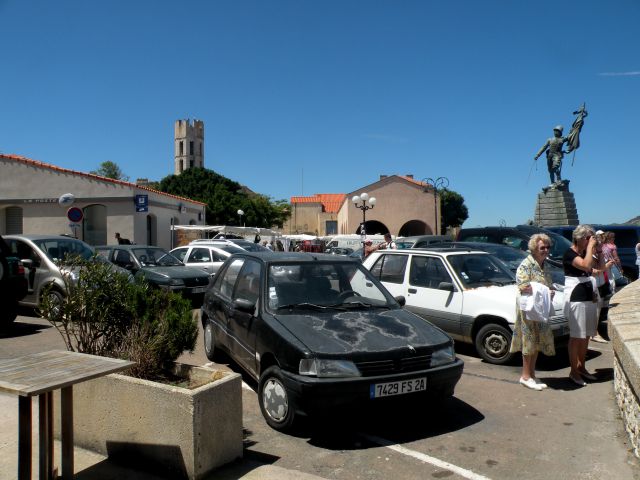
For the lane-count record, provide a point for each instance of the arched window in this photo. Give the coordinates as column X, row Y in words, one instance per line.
column 94, row 226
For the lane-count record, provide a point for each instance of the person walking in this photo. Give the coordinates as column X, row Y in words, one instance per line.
column 638, row 257
column 580, row 307
column 532, row 333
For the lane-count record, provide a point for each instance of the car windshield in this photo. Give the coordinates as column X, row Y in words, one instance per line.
column 59, row 250
column 155, row 257
column 477, row 270
column 324, row 285
column 404, row 243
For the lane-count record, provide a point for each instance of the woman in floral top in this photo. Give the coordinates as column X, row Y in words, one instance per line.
column 531, row 337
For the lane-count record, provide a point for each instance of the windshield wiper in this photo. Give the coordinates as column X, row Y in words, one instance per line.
column 360, row 303
column 310, row 305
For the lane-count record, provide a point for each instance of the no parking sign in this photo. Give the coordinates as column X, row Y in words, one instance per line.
column 74, row 214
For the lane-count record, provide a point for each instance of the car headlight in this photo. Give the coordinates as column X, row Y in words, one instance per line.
column 176, row 282
column 443, row 356
column 322, row 368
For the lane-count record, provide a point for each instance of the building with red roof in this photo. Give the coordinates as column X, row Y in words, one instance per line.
column 29, row 204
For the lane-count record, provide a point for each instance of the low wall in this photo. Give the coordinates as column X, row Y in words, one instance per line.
column 624, row 331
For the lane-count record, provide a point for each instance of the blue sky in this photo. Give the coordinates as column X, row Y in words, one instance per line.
column 301, row 97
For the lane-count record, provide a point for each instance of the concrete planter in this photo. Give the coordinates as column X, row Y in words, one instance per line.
column 184, row 432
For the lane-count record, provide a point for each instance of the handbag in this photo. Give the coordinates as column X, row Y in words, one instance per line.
column 604, row 290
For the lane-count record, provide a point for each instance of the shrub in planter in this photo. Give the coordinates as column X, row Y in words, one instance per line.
column 106, row 313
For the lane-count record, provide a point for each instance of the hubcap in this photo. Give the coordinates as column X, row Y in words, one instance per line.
column 208, row 338
column 496, row 345
column 274, row 399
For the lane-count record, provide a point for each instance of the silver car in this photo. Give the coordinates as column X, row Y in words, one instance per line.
column 203, row 256
column 41, row 256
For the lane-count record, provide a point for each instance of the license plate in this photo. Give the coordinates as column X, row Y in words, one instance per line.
column 198, row 289
column 397, row 388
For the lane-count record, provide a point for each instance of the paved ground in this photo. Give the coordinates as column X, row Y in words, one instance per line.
column 493, row 428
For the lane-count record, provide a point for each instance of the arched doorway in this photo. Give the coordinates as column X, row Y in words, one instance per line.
column 373, row 227
column 414, row 227
column 94, row 225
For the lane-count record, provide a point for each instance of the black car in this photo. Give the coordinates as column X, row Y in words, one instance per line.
column 159, row 268
column 517, row 237
column 13, row 284
column 318, row 331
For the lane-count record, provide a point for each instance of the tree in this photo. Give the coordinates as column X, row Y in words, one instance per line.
column 110, row 169
column 224, row 198
column 454, row 211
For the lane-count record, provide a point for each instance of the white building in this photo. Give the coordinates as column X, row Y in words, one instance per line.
column 29, row 193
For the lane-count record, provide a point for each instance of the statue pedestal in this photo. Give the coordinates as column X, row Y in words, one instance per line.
column 556, row 206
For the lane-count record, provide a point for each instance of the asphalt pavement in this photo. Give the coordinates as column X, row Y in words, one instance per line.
column 492, row 429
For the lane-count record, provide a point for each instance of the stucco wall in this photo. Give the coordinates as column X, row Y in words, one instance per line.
column 36, row 189
column 624, row 331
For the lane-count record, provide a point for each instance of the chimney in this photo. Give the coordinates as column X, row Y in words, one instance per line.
column 409, row 175
column 382, row 177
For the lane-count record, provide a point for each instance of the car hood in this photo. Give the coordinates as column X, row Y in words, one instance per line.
column 375, row 330
column 177, row 271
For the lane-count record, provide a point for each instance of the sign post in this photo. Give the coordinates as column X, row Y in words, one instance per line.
column 75, row 216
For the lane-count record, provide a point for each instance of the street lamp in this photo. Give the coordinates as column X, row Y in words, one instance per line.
column 439, row 184
column 240, row 214
column 364, row 198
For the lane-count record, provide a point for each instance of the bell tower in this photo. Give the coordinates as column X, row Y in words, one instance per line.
column 189, row 145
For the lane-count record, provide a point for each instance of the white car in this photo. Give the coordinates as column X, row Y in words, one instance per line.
column 471, row 295
column 203, row 256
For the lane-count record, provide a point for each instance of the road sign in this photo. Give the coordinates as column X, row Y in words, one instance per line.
column 75, row 214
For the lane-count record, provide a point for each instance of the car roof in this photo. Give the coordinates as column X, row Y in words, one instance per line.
column 442, row 249
column 421, row 237
column 297, row 257
column 129, row 247
column 35, row 236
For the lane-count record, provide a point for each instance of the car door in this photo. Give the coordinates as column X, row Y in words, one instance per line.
column 37, row 272
column 200, row 257
column 432, row 293
column 242, row 323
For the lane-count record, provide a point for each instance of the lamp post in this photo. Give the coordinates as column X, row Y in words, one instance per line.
column 240, row 214
column 439, row 184
column 364, row 198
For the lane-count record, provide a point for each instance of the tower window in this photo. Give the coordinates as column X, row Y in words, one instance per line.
column 181, row 147
column 190, row 148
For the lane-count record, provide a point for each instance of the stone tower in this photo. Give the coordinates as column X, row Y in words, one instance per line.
column 189, row 145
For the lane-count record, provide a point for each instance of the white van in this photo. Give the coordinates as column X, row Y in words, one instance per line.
column 352, row 241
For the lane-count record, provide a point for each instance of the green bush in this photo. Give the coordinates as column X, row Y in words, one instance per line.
column 107, row 313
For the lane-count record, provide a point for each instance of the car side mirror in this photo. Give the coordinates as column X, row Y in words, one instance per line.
column 27, row 262
column 401, row 300
column 244, row 305
column 447, row 286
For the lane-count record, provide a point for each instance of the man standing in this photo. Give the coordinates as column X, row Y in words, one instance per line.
column 555, row 154
column 388, row 243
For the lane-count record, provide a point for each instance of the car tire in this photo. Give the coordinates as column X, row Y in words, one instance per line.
column 9, row 313
column 54, row 296
column 493, row 342
column 211, row 350
column 276, row 404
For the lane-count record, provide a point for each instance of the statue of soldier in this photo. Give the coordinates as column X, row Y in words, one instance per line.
column 555, row 154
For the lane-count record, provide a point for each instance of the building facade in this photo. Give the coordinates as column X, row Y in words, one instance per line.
column 29, row 193
column 404, row 207
column 189, row 145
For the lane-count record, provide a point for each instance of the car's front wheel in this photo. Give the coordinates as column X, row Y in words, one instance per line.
column 276, row 403
column 493, row 342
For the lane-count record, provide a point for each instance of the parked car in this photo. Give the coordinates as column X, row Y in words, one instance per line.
column 203, row 256
column 238, row 242
column 159, row 268
column 467, row 293
column 421, row 241
column 43, row 257
column 318, row 332
column 627, row 237
column 517, row 237
column 339, row 251
column 13, row 284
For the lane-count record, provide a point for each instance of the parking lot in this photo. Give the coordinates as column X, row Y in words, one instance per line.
column 493, row 427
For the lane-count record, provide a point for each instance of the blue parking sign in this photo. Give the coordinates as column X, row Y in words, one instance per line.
column 142, row 203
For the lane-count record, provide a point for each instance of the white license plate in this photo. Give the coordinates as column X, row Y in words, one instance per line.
column 198, row 289
column 397, row 388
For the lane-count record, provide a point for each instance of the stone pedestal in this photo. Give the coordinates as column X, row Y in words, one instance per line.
column 556, row 205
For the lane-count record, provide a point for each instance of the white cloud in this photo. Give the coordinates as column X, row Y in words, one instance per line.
column 619, row 74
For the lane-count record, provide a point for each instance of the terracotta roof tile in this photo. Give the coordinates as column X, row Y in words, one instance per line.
column 37, row 163
column 331, row 202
